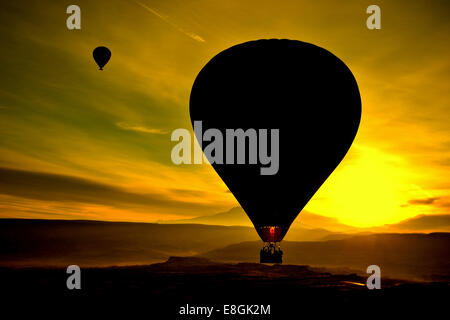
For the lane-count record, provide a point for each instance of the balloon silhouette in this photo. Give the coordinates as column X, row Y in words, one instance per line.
column 101, row 56
column 301, row 89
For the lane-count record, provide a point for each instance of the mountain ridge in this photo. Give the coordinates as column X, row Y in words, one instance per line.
column 311, row 221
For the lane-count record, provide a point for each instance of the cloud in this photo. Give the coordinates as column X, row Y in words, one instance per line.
column 187, row 192
column 139, row 128
column 62, row 188
column 191, row 35
column 424, row 201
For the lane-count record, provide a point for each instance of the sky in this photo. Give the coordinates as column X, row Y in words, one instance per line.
column 79, row 143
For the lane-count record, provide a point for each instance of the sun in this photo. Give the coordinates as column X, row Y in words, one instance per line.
column 371, row 188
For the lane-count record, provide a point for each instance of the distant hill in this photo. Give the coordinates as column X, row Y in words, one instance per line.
column 95, row 243
column 233, row 217
column 303, row 229
column 311, row 226
column 423, row 223
column 408, row 256
column 237, row 216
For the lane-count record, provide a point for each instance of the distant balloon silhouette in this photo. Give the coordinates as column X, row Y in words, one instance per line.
column 301, row 89
column 101, row 56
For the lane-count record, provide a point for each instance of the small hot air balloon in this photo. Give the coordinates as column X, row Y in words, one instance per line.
column 303, row 90
column 101, row 56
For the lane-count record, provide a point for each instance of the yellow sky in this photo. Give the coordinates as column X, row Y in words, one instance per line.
column 98, row 143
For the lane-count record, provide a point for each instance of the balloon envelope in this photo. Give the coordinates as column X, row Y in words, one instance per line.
column 101, row 56
column 301, row 89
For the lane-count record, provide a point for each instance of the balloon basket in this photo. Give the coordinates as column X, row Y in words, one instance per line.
column 271, row 253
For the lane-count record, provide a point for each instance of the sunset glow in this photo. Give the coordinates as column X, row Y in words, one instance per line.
column 82, row 144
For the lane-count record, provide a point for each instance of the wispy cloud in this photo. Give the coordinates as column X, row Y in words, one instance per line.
column 63, row 188
column 190, row 34
column 425, row 201
column 138, row 128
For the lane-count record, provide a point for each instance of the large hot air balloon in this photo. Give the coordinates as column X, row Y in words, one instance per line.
column 303, row 90
column 101, row 56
